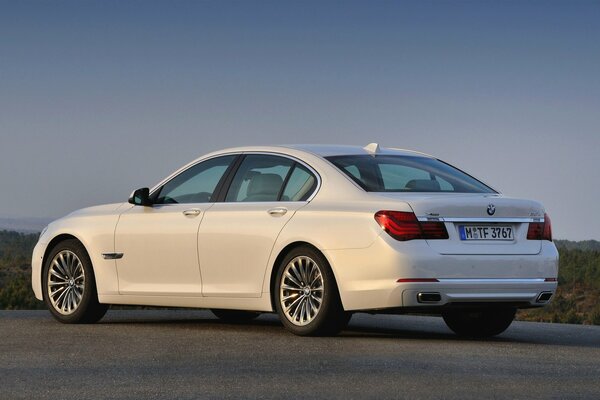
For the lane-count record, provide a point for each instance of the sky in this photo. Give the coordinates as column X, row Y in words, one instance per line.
column 100, row 98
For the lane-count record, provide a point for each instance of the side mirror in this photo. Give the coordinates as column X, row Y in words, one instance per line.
column 140, row 197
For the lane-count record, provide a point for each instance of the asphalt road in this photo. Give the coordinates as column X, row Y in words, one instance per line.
column 182, row 354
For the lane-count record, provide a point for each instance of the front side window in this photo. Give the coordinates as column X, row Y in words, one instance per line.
column 196, row 184
column 388, row 173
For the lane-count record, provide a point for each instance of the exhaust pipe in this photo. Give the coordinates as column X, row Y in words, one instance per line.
column 544, row 297
column 429, row 297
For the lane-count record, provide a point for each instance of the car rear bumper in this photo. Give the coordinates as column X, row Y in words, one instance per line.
column 368, row 279
column 525, row 292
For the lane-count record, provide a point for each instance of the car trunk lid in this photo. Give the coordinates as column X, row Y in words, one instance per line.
column 477, row 223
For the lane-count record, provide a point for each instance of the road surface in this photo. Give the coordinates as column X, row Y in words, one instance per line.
column 181, row 354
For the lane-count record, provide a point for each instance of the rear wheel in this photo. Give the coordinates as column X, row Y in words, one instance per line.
column 306, row 295
column 69, row 286
column 235, row 315
column 480, row 322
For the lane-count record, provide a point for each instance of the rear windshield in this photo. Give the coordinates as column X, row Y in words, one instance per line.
column 387, row 173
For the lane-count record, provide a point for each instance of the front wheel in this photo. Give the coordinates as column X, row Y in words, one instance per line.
column 69, row 287
column 480, row 322
column 306, row 295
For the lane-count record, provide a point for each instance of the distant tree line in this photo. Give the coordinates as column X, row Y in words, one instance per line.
column 586, row 245
column 15, row 271
column 577, row 300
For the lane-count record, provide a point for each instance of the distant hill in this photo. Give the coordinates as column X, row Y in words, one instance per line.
column 24, row 225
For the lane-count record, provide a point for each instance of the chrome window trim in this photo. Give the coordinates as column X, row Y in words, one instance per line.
column 270, row 153
column 480, row 219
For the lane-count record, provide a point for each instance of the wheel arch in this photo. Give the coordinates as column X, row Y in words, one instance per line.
column 56, row 240
column 89, row 309
column 284, row 252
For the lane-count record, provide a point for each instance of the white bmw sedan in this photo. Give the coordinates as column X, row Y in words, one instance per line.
column 313, row 233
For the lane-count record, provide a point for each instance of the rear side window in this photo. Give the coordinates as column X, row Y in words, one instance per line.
column 259, row 178
column 262, row 177
column 387, row 173
column 300, row 184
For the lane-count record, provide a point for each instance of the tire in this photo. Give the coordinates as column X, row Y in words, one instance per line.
column 308, row 308
column 479, row 323
column 73, row 298
column 235, row 316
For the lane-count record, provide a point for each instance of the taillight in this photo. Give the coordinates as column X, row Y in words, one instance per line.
column 404, row 226
column 547, row 235
column 535, row 231
column 540, row 230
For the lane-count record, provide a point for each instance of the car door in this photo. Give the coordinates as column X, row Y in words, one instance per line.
column 159, row 243
column 237, row 235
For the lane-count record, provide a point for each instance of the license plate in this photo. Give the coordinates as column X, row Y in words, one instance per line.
column 486, row 232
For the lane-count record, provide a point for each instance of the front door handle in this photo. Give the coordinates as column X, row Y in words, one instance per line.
column 277, row 211
column 192, row 212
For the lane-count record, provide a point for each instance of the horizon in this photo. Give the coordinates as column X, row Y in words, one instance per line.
column 103, row 97
column 36, row 224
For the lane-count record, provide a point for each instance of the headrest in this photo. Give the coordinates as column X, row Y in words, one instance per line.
column 264, row 184
column 423, row 185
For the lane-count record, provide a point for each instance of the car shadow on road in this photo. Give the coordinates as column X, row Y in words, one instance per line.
column 531, row 334
column 370, row 327
column 429, row 330
column 519, row 333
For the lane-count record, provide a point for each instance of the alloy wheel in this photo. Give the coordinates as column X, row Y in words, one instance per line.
column 301, row 290
column 66, row 282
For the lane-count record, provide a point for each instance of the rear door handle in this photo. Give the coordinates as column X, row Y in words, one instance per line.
column 277, row 211
column 192, row 212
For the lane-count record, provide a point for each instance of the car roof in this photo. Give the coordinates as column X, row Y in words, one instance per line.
column 324, row 150
column 320, row 150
